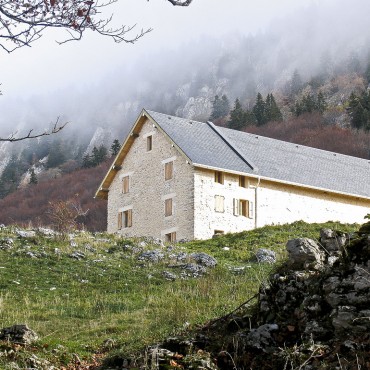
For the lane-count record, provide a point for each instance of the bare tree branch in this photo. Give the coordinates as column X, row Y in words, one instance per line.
column 56, row 128
column 22, row 22
column 180, row 3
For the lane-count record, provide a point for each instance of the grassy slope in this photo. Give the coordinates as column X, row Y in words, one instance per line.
column 76, row 305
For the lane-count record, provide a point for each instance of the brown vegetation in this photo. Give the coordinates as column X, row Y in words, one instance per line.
column 32, row 204
column 311, row 130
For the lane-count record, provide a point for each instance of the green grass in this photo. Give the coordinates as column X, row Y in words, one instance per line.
column 79, row 304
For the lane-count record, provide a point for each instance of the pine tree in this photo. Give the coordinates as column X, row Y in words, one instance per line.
column 216, row 111
column 259, row 110
column 10, row 177
column 358, row 113
column 86, row 161
column 56, row 154
column 225, row 105
column 272, row 111
column 220, row 107
column 116, row 146
column 237, row 117
column 33, row 177
column 321, row 104
column 98, row 155
column 296, row 83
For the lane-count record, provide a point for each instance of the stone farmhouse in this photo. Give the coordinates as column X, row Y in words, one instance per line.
column 176, row 178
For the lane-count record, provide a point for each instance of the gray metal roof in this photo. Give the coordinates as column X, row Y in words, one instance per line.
column 217, row 147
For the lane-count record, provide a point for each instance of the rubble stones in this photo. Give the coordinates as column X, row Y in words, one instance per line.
column 261, row 337
column 265, row 256
column 204, row 259
column 305, row 253
column 152, row 256
column 26, row 234
column 18, row 334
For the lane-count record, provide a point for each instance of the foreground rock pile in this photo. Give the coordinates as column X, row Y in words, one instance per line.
column 313, row 313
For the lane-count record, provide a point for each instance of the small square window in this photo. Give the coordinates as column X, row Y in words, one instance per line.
column 149, row 143
column 168, row 170
column 125, row 184
column 242, row 181
column 218, row 232
column 170, row 237
column 168, row 207
column 219, row 177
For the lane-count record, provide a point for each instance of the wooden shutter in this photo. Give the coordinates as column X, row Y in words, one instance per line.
column 129, row 217
column 126, row 184
column 173, row 237
column 168, row 207
column 119, row 220
column 219, row 203
column 236, row 206
column 168, row 170
column 250, row 209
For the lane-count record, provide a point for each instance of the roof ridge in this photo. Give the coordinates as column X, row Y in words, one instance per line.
column 233, row 147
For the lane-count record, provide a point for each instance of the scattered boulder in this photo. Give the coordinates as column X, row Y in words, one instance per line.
column 78, row 255
column 305, row 253
column 155, row 256
column 204, row 259
column 26, row 233
column 265, row 256
column 19, row 333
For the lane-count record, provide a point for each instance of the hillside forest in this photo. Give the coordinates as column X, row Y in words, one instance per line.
column 327, row 107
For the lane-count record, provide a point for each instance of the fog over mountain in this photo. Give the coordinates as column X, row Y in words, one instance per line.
column 182, row 78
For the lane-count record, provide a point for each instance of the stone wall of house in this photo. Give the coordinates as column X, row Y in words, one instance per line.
column 272, row 203
column 148, row 189
column 206, row 219
column 279, row 204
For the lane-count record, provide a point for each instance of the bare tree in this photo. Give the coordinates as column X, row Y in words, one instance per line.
column 30, row 135
column 23, row 21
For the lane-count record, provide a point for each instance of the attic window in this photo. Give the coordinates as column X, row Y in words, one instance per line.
column 242, row 181
column 219, row 177
column 149, row 143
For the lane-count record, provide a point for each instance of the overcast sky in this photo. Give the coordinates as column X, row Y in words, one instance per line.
column 46, row 66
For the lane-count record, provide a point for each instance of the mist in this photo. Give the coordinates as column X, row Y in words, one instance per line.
column 181, row 75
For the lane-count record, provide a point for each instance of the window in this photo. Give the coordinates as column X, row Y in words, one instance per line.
column 124, row 219
column 168, row 207
column 243, row 208
column 218, row 232
column 170, row 237
column 219, row 177
column 125, row 184
column 168, row 170
column 242, row 181
column 219, row 203
column 149, row 143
